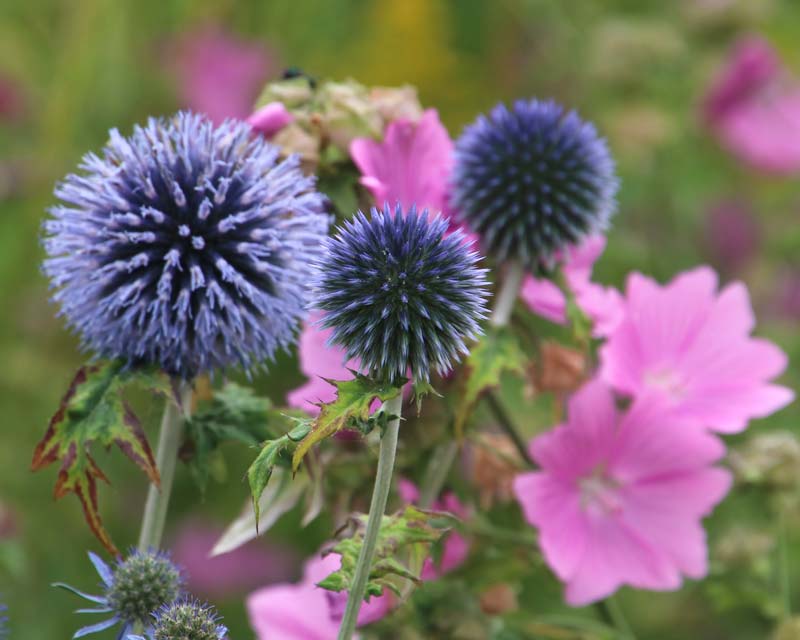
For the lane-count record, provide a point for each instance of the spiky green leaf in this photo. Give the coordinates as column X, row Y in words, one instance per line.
column 350, row 409
column 405, row 538
column 498, row 352
column 93, row 411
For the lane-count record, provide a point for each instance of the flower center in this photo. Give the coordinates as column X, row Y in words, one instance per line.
column 600, row 492
column 668, row 381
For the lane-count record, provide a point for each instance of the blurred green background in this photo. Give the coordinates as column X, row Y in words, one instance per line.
column 639, row 68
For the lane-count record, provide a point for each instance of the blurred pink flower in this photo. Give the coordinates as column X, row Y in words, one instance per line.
column 411, row 165
column 248, row 566
column 692, row 346
column 602, row 304
column 219, row 74
column 318, row 361
column 732, row 235
column 619, row 499
column 753, row 107
column 786, row 300
column 456, row 547
column 304, row 611
column 270, row 119
column 12, row 100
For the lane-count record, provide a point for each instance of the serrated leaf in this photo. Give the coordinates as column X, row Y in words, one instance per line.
column 406, row 534
column 350, row 409
column 282, row 495
column 497, row 352
column 235, row 414
column 93, row 411
column 420, row 389
column 262, row 468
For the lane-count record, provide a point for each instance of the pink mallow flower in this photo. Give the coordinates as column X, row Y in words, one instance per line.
column 256, row 563
column 692, row 346
column 318, row 361
column 219, row 74
column 270, row 119
column 753, row 107
column 456, row 547
column 619, row 498
column 304, row 611
column 411, row 165
column 603, row 305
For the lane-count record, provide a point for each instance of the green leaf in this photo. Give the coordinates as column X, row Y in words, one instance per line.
column 350, row 409
column 498, row 352
column 234, row 414
column 93, row 411
column 420, row 389
column 406, row 535
column 260, row 472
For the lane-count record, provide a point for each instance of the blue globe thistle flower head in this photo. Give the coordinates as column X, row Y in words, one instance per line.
column 186, row 245
column 133, row 588
column 185, row 618
column 400, row 293
column 3, row 621
column 532, row 179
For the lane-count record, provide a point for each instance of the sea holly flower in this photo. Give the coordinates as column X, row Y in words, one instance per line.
column 3, row 621
column 411, row 165
column 304, row 611
column 603, row 305
column 753, row 107
column 186, row 246
column 532, row 180
column 132, row 589
column 185, row 618
column 692, row 346
column 619, row 497
column 399, row 293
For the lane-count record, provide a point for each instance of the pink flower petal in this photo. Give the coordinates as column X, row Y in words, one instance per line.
column 270, row 119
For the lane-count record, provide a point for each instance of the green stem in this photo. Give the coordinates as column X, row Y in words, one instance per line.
column 380, row 495
column 436, row 473
column 612, row 613
column 169, row 440
column 505, row 423
column 783, row 563
column 507, row 295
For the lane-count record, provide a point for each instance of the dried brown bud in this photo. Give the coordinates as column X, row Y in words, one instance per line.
column 495, row 462
column 561, row 369
column 393, row 103
column 499, row 599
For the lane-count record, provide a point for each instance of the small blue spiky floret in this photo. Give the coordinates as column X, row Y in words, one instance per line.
column 185, row 618
column 133, row 589
column 399, row 293
column 186, row 245
column 532, row 180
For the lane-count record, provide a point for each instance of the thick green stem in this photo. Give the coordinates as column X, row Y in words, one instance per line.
column 169, row 440
column 380, row 494
column 507, row 295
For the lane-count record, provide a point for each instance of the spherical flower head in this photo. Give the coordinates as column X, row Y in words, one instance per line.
column 532, row 180
column 185, row 245
column 399, row 293
column 132, row 589
column 142, row 583
column 189, row 619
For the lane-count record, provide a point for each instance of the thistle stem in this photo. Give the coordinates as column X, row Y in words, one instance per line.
column 436, row 473
column 507, row 295
column 377, row 507
column 169, row 440
column 505, row 423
